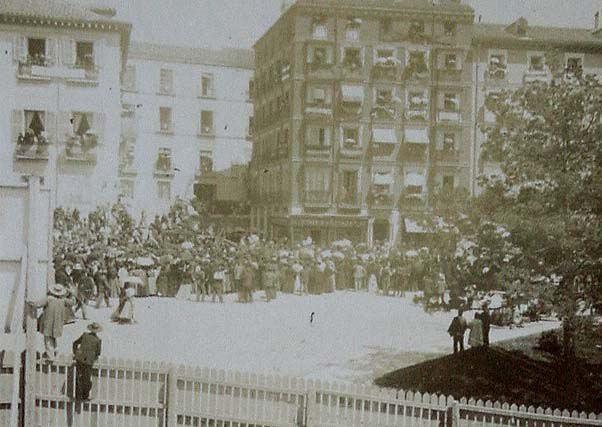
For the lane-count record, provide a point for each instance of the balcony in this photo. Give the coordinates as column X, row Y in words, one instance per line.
column 84, row 74
column 350, row 200
column 496, row 74
column 350, row 110
column 381, row 201
column 536, row 76
column 43, row 71
column 414, row 152
column 416, row 70
column 352, row 68
column 35, row 70
column 450, row 116
column 316, row 198
column 447, row 156
column 31, row 148
column 412, row 202
column 386, row 69
column 384, row 110
column 127, row 168
column 382, row 150
column 318, row 150
column 319, row 110
column 351, row 148
column 81, row 149
column 417, row 115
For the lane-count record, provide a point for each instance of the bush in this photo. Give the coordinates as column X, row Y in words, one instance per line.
column 550, row 342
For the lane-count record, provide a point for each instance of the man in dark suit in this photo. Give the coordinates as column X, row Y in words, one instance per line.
column 486, row 321
column 86, row 350
column 456, row 330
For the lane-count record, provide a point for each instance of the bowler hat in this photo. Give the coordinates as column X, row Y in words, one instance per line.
column 94, row 327
column 57, row 290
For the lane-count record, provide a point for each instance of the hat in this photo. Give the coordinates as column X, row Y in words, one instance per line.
column 57, row 290
column 94, row 327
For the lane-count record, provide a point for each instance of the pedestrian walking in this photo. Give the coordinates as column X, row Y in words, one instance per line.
column 103, row 290
column 86, row 350
column 52, row 320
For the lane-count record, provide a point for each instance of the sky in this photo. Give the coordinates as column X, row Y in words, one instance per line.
column 239, row 23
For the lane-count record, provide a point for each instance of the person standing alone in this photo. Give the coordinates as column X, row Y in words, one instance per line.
column 456, row 330
column 86, row 350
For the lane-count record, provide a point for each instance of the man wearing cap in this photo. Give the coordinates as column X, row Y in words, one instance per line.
column 86, row 350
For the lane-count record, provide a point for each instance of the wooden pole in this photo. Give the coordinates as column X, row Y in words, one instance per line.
column 29, row 403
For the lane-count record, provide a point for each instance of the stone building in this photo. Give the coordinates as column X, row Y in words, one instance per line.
column 361, row 109
column 60, row 68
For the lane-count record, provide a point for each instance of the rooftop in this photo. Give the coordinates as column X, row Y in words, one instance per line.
column 52, row 9
column 226, row 57
column 552, row 36
column 418, row 5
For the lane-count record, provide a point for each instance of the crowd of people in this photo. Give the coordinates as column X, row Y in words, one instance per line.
column 107, row 253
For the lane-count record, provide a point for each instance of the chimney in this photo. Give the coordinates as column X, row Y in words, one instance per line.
column 597, row 24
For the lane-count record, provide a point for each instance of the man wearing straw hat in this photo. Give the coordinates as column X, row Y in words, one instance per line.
column 86, row 350
column 52, row 320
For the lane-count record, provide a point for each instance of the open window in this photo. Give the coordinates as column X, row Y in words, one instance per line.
column 208, row 86
column 36, row 51
column 84, row 55
column 165, row 120
column 352, row 58
column 498, row 64
column 207, row 125
column 319, row 56
column 319, row 28
column 351, row 137
column 318, row 137
column 352, row 29
column 163, row 165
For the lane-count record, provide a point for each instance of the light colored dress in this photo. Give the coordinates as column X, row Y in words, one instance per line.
column 475, row 338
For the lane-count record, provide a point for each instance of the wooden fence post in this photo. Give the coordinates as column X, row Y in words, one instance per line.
column 172, row 397
column 455, row 414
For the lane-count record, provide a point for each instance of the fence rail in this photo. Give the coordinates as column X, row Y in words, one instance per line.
column 135, row 393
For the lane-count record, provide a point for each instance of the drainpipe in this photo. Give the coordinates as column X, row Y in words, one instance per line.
column 473, row 162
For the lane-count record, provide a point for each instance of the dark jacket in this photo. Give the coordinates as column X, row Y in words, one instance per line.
column 457, row 328
column 86, row 348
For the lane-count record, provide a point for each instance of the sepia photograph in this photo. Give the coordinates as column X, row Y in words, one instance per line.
column 300, row 213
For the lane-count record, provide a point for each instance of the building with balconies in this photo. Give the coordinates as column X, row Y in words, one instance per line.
column 360, row 110
column 186, row 112
column 508, row 56
column 60, row 68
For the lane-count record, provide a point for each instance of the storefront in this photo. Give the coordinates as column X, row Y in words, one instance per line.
column 322, row 228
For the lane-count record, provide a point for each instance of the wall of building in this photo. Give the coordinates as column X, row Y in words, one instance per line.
column 74, row 183
column 228, row 143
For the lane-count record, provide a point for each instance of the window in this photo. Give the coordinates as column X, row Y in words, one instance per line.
column 319, row 96
column 320, row 56
column 207, row 86
column 166, row 82
column 574, row 65
column 348, row 190
column 448, row 183
column 82, row 123
column 164, row 190
column 417, row 63
column 129, row 78
column 164, row 160
column 317, row 137
column 386, row 26
column 417, row 101
column 450, row 28
column 384, row 97
column 351, row 137
column 251, row 89
column 34, row 122
column 84, row 55
column 36, row 51
column 449, row 142
column 497, row 65
column 416, row 28
column 205, row 162
column 250, row 128
column 352, row 30
column 352, row 58
column 207, row 122
column 450, row 102
column 317, row 181
column 165, row 120
column 126, row 188
column 451, row 61
column 319, row 29
column 414, row 183
column 384, row 54
column 536, row 63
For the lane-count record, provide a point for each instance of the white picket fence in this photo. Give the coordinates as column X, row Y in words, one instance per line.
column 134, row 393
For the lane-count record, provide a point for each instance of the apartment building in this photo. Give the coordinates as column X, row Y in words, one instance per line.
column 60, row 69
column 361, row 109
column 186, row 112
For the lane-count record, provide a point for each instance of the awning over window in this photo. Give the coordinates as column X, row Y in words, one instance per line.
column 384, row 136
column 352, row 93
column 383, row 178
column 412, row 227
column 417, row 136
column 415, row 179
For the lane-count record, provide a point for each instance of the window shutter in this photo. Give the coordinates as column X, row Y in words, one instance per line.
column 97, row 51
column 441, row 61
column 329, row 55
column 68, row 51
column 51, row 51
column 99, row 125
column 50, row 125
column 19, row 49
column 327, row 136
column 440, row 138
column 16, row 124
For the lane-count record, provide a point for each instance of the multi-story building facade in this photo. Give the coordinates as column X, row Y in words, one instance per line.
column 360, row 110
column 60, row 69
column 186, row 112
column 509, row 56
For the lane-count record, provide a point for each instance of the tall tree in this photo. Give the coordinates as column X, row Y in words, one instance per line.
column 548, row 138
